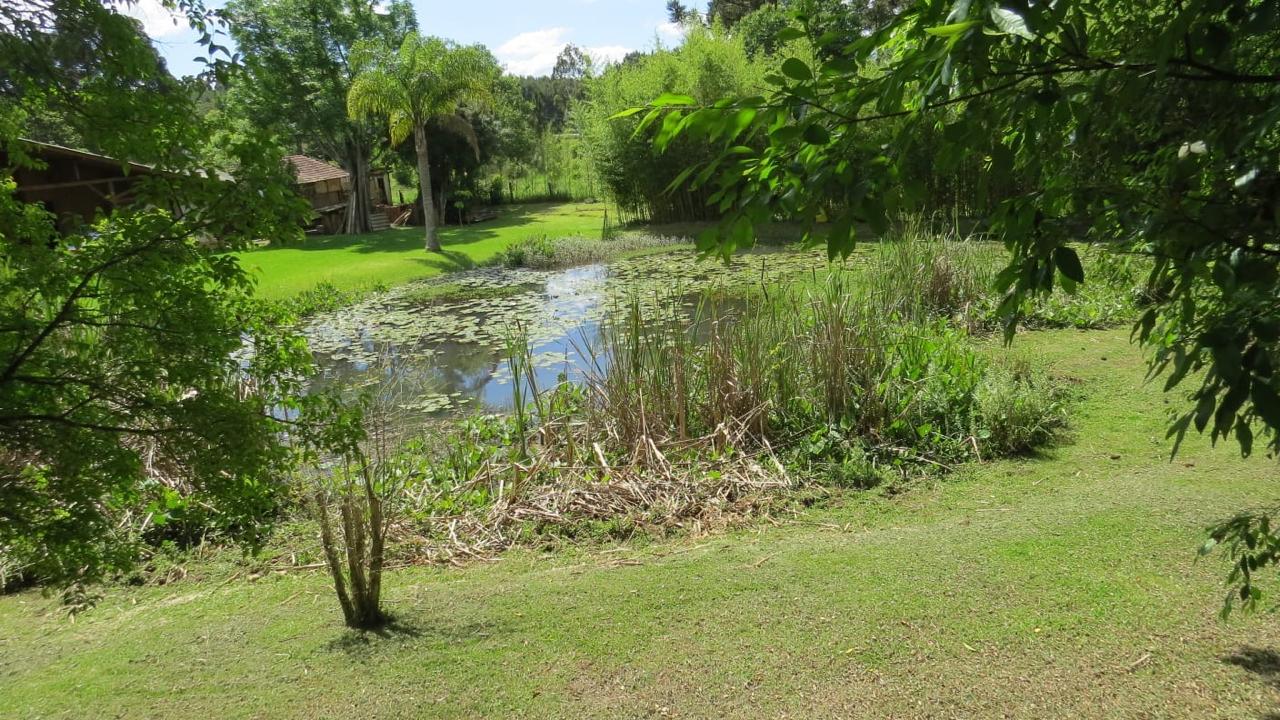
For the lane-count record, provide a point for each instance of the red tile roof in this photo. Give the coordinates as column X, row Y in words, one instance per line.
column 310, row 170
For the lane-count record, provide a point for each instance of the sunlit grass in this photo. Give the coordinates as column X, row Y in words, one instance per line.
column 1063, row 585
column 392, row 257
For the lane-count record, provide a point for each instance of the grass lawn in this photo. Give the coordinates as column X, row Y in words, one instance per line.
column 391, row 257
column 1058, row 586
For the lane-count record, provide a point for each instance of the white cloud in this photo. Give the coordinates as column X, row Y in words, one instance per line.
column 533, row 53
column 672, row 32
column 607, row 54
column 157, row 20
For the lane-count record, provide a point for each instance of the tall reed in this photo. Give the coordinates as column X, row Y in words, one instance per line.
column 917, row 273
column 773, row 365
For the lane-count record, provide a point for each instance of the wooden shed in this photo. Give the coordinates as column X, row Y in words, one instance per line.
column 328, row 188
column 75, row 185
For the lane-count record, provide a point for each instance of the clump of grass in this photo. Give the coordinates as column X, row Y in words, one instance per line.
column 324, row 297
column 900, row 383
column 1019, row 408
column 426, row 293
column 543, row 253
column 532, row 252
column 705, row 423
column 919, row 273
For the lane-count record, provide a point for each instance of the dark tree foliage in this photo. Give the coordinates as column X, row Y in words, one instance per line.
column 677, row 12
column 1147, row 126
column 480, row 135
column 551, row 98
column 727, row 13
column 829, row 24
column 124, row 409
column 571, row 64
column 730, row 12
column 835, row 23
column 760, row 30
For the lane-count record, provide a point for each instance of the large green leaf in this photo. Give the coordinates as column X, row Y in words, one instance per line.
column 1068, row 263
column 797, row 69
column 1011, row 23
column 952, row 30
column 815, row 134
column 628, row 113
column 673, row 100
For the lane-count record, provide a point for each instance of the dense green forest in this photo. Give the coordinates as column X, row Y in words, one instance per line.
column 864, row 295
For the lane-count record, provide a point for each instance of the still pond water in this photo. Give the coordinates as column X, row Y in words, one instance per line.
column 449, row 356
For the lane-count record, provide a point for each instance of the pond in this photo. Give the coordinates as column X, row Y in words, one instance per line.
column 450, row 356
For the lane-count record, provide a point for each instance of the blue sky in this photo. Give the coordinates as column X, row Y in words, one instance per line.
column 526, row 35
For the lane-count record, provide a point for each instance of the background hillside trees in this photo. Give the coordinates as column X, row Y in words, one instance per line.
column 708, row 65
column 551, row 98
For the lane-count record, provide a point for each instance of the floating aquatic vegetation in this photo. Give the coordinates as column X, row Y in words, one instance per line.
column 451, row 343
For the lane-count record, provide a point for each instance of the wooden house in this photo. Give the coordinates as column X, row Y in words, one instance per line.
column 328, row 188
column 75, row 185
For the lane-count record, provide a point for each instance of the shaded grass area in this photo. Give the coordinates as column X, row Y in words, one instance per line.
column 1062, row 585
column 391, row 257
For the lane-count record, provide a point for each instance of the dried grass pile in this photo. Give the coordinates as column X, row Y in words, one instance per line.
column 545, row 497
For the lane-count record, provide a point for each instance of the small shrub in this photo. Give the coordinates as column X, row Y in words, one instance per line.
column 532, row 252
column 359, row 469
column 1019, row 408
column 541, row 253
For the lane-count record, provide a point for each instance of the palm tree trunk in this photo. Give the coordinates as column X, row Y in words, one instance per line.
column 424, row 187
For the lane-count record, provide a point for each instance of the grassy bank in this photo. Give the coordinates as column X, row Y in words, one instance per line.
column 1062, row 585
column 392, row 257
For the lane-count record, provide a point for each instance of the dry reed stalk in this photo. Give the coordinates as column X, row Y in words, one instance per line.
column 648, row 490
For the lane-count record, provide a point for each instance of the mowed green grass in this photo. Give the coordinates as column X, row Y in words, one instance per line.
column 395, row 256
column 1060, row 586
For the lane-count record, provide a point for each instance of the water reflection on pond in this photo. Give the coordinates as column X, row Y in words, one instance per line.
column 450, row 355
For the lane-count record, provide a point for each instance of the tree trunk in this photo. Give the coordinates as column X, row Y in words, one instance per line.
column 424, row 185
column 331, row 557
column 444, row 202
column 359, row 204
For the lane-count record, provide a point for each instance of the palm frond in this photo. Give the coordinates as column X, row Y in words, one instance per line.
column 375, row 93
column 425, row 78
column 459, row 125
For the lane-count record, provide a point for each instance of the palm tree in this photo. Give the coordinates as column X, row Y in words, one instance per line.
column 425, row 79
